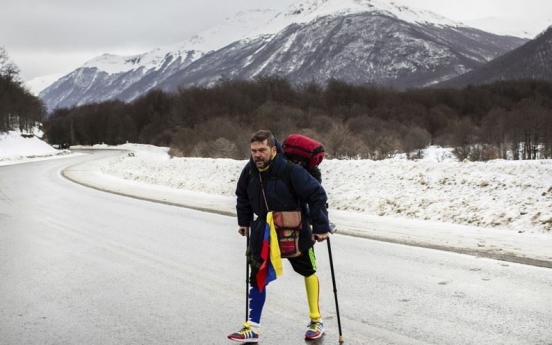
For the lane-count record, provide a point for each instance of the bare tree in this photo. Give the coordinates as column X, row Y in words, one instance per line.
column 337, row 143
column 8, row 69
column 415, row 141
column 493, row 131
column 224, row 148
column 464, row 136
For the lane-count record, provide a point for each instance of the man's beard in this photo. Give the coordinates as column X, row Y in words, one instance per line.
column 263, row 163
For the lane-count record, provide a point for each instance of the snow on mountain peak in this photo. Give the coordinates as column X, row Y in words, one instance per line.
column 113, row 63
column 308, row 10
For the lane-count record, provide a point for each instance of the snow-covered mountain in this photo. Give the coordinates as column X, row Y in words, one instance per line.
column 308, row 10
column 363, row 48
column 116, row 77
column 359, row 41
column 533, row 60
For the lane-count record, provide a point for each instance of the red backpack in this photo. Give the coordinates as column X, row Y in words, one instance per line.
column 303, row 150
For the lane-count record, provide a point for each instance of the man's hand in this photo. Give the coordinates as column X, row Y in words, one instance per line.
column 244, row 230
column 320, row 237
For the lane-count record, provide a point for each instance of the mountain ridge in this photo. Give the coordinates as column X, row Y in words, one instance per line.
column 532, row 60
column 266, row 53
column 320, row 69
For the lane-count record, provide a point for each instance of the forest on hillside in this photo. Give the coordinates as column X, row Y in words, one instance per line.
column 503, row 120
column 19, row 108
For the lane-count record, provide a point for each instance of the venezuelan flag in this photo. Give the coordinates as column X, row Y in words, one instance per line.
column 271, row 267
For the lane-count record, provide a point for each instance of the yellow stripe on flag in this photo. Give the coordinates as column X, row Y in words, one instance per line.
column 275, row 257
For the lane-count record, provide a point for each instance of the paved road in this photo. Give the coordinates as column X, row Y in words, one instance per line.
column 80, row 266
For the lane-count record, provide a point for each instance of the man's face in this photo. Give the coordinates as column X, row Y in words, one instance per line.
column 261, row 153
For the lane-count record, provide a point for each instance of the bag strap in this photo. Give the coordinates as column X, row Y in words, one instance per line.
column 263, row 191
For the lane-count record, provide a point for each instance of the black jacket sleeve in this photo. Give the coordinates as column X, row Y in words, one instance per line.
column 317, row 174
column 243, row 206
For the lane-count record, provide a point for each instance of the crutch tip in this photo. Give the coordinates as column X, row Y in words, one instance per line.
column 341, row 340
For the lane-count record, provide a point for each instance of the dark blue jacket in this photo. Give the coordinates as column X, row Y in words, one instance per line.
column 300, row 190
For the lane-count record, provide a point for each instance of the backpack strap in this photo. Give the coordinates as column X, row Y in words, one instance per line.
column 286, row 177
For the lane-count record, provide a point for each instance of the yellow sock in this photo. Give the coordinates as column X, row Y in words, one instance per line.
column 313, row 292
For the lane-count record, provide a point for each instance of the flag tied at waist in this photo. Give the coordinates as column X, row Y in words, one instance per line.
column 271, row 266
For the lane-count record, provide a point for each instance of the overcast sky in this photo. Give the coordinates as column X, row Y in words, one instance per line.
column 56, row 36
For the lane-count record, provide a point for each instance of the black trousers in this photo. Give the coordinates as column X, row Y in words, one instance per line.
column 304, row 264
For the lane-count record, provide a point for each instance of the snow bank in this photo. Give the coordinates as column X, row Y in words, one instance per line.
column 18, row 147
column 515, row 195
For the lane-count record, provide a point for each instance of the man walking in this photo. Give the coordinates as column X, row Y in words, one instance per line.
column 267, row 183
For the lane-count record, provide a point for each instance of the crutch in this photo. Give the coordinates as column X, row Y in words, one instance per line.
column 335, row 291
column 247, row 280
